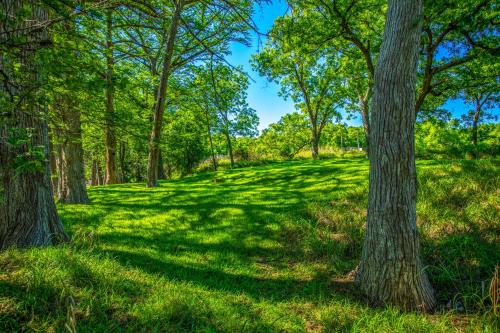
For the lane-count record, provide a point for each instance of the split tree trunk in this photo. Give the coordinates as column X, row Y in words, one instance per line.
column 28, row 215
column 391, row 271
column 109, row 129
column 159, row 107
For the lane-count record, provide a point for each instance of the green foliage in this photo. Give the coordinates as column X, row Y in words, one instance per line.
column 185, row 141
column 438, row 139
column 287, row 137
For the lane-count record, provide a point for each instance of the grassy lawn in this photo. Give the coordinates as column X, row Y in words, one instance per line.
column 260, row 249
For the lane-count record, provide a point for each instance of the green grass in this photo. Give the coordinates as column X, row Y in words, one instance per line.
column 261, row 249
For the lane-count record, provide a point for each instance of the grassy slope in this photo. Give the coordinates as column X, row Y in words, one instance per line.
column 262, row 249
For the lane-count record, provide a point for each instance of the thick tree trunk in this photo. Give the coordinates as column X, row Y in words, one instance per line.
column 159, row 107
column 28, row 215
column 73, row 189
column 391, row 271
column 109, row 129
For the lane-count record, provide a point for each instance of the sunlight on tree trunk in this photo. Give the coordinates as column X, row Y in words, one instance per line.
column 159, row 107
column 391, row 271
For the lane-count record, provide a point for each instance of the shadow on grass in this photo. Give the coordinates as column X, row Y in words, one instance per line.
column 227, row 227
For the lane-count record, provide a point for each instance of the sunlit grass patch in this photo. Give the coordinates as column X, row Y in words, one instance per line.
column 265, row 249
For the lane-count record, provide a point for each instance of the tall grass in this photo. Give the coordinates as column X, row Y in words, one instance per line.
column 269, row 248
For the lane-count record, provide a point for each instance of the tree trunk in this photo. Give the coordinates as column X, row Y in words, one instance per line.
column 94, row 178
column 391, row 271
column 28, row 215
column 365, row 118
column 100, row 176
column 314, row 144
column 475, row 121
column 73, row 189
column 60, row 169
column 209, row 132
column 159, row 107
column 214, row 160
column 161, row 173
column 122, row 162
column 53, row 165
column 109, row 129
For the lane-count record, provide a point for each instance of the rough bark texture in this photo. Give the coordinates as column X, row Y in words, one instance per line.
column 159, row 107
column 28, row 215
column 109, row 129
column 72, row 187
column 391, row 271
column 365, row 117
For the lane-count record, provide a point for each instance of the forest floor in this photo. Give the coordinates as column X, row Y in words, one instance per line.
column 258, row 249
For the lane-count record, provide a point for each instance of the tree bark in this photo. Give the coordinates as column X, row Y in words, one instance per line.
column 209, row 133
column 100, row 176
column 53, row 165
column 391, row 271
column 72, row 176
column 314, row 144
column 28, row 215
column 60, row 169
column 122, row 162
column 365, row 118
column 161, row 173
column 94, row 178
column 159, row 107
column 109, row 129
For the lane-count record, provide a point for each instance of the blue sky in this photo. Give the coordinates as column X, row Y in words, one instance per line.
column 263, row 95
